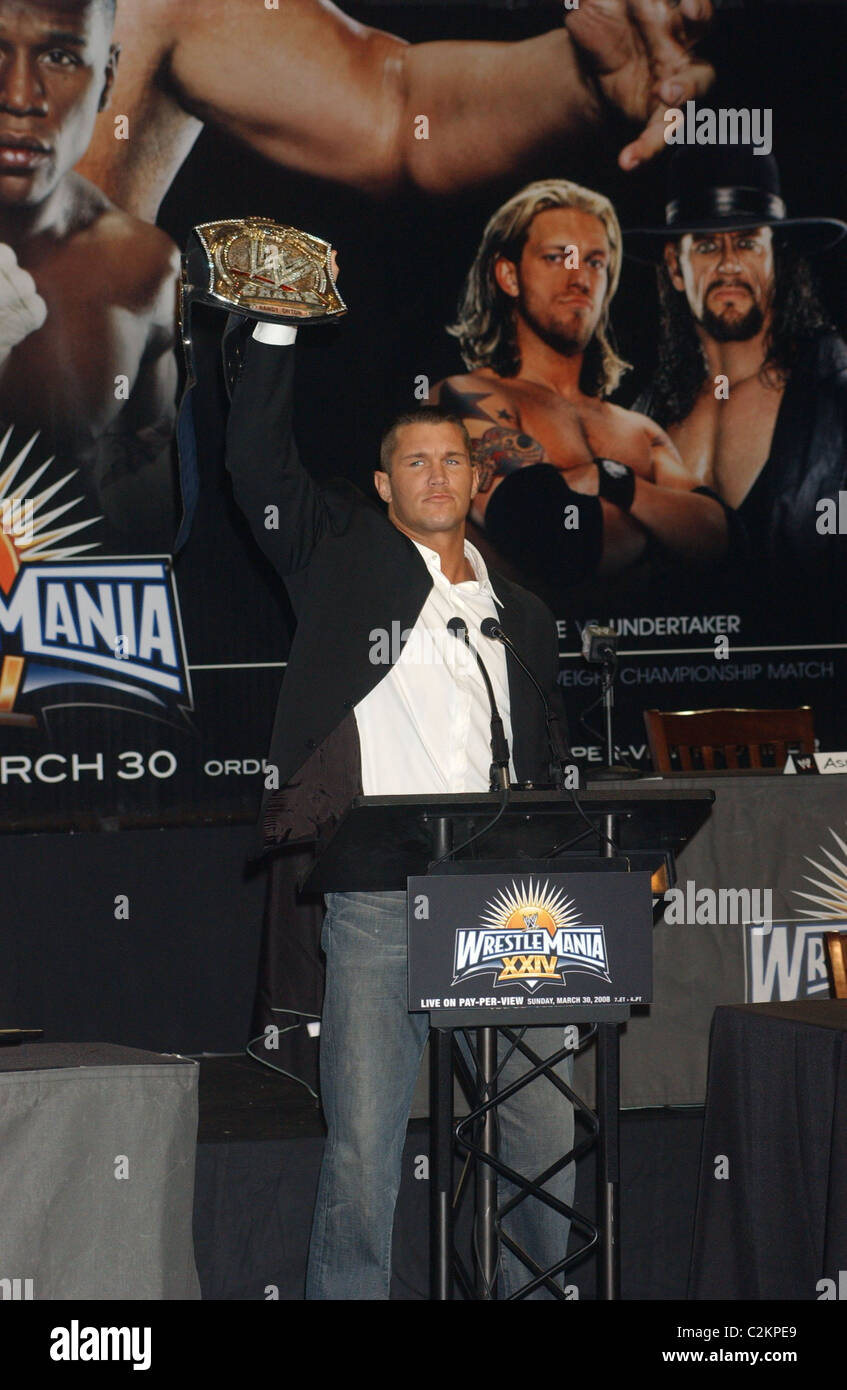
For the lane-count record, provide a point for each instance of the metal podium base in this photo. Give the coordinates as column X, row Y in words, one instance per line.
column 475, row 1135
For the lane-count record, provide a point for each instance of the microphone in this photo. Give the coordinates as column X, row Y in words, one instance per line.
column 499, row 772
column 560, row 752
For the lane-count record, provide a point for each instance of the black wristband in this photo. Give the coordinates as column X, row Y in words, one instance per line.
column 615, row 483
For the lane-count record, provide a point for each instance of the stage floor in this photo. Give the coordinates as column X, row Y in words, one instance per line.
column 259, row 1150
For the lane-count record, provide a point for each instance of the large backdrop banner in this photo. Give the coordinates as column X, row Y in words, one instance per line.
column 648, row 360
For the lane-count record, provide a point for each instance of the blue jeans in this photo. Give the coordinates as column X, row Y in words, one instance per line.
column 371, row 1049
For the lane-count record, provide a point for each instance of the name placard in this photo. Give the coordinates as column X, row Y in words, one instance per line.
column 816, row 762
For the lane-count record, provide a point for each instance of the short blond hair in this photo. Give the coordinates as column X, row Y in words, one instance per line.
column 424, row 415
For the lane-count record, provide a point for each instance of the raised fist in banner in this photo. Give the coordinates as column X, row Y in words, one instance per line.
column 638, row 53
column 22, row 310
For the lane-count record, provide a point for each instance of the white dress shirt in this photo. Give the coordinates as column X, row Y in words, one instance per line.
column 426, row 727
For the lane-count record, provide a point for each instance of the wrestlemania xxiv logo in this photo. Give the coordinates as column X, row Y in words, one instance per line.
column 79, row 630
column 530, row 934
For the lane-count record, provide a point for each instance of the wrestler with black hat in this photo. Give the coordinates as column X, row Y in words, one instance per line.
column 751, row 382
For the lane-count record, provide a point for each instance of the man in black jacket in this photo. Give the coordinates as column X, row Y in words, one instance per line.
column 357, row 715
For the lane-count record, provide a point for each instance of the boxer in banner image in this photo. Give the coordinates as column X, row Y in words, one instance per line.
column 317, row 92
column 87, row 298
column 751, row 382
column 569, row 484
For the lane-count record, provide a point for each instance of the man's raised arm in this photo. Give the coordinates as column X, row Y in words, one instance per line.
column 286, row 510
column 315, row 90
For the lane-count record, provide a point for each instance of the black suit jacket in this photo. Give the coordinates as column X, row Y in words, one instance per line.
column 349, row 572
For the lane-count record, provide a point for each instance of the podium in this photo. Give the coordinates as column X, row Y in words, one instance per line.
column 422, row 844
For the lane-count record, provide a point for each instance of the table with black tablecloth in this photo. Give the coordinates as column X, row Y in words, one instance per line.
column 772, row 1205
column 762, row 833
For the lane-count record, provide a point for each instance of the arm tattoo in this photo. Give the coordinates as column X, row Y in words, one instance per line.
column 502, row 451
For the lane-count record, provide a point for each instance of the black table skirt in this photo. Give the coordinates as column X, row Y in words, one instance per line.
column 772, row 1207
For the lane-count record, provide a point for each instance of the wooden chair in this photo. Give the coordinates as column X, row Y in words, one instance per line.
column 835, row 949
column 731, row 732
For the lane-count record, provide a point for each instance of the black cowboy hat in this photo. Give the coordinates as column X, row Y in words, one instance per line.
column 727, row 188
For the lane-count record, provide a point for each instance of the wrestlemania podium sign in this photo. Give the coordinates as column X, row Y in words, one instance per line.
column 529, row 944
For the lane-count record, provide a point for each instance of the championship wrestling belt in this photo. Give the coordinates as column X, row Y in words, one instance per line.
column 262, row 269
column 257, row 270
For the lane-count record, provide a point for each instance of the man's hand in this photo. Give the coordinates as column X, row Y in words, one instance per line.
column 639, row 54
column 22, row 310
column 281, row 334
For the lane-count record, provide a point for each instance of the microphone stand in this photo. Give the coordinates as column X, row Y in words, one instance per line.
column 499, row 773
column 561, row 756
column 600, row 647
column 486, row 1038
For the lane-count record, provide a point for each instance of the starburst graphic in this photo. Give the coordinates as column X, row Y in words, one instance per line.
column 833, row 907
column 532, row 908
column 40, row 538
